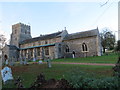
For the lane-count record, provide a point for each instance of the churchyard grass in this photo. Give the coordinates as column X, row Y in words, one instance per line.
column 28, row 73
column 110, row 59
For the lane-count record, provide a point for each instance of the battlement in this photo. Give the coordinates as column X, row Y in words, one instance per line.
column 21, row 24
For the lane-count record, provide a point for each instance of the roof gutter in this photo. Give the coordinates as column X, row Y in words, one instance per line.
column 46, row 45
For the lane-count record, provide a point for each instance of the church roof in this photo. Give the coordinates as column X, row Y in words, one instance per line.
column 43, row 37
column 12, row 47
column 38, row 46
column 84, row 34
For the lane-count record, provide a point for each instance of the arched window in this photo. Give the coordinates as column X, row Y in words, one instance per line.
column 6, row 57
column 84, row 47
column 67, row 48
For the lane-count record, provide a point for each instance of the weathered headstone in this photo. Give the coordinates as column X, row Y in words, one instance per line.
column 49, row 63
column 34, row 59
column 6, row 74
column 21, row 61
column 40, row 62
column 25, row 61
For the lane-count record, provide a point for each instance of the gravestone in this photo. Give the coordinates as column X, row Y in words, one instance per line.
column 34, row 59
column 49, row 63
column 21, row 61
column 25, row 61
column 6, row 74
column 40, row 62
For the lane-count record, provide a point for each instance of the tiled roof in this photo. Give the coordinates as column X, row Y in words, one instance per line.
column 12, row 47
column 44, row 37
column 38, row 46
column 89, row 33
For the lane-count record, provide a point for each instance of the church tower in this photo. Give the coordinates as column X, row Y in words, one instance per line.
column 20, row 32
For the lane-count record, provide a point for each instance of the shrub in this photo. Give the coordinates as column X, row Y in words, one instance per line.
column 84, row 80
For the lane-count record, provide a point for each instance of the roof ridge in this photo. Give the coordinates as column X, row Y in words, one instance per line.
column 52, row 35
column 83, row 31
column 82, row 34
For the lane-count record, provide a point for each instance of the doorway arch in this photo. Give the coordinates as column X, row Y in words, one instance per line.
column 5, row 56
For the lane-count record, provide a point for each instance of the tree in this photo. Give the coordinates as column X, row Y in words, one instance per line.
column 107, row 40
column 118, row 45
column 2, row 41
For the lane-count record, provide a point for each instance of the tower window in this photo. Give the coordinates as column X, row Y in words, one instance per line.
column 15, row 38
column 15, row 31
column 25, row 31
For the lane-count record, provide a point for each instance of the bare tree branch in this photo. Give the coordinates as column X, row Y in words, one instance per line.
column 2, row 41
column 104, row 3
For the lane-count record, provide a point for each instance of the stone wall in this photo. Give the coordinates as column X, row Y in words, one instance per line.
column 76, row 45
column 52, row 49
column 5, row 51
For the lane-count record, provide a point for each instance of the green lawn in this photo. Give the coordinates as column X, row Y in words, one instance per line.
column 112, row 58
column 30, row 72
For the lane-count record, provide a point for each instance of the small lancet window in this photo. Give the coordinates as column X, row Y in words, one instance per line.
column 84, row 47
column 67, row 48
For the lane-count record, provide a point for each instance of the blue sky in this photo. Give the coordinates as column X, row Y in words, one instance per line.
column 50, row 17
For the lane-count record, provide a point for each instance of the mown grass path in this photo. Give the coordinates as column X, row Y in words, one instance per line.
column 103, row 64
column 100, row 64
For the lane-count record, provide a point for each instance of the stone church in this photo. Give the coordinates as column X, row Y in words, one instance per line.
column 55, row 45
